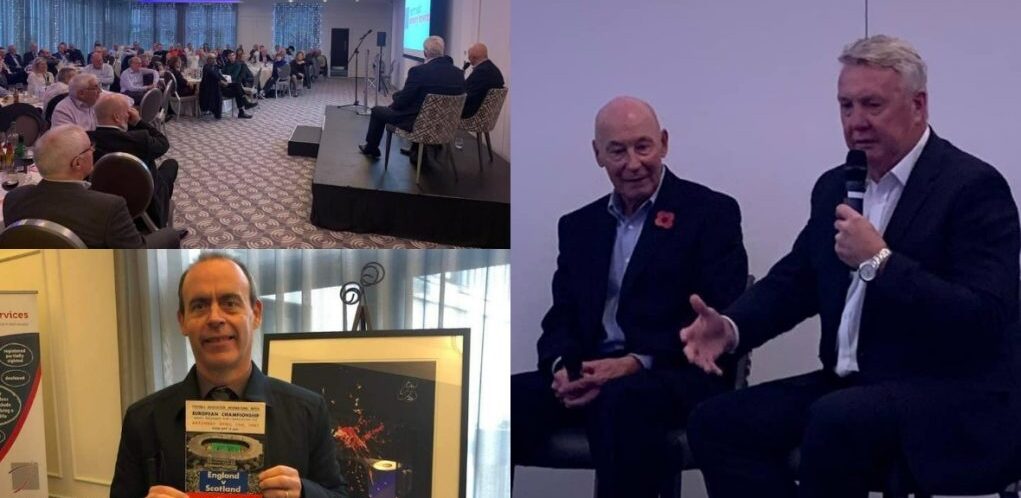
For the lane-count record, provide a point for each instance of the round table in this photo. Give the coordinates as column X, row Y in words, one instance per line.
column 31, row 178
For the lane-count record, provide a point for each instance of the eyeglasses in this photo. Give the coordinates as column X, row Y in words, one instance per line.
column 92, row 148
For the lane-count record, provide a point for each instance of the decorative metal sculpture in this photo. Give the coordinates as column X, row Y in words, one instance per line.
column 353, row 293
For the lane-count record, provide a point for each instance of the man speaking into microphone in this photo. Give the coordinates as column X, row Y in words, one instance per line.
column 916, row 294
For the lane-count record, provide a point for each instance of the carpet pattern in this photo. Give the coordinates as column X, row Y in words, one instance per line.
column 238, row 188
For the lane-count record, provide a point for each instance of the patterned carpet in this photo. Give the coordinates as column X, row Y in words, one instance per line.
column 238, row 188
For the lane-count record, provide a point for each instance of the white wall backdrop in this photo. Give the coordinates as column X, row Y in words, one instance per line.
column 747, row 90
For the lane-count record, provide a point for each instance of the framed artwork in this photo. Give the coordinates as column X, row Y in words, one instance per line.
column 398, row 404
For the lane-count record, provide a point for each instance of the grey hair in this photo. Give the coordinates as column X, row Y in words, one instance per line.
column 57, row 147
column 433, row 47
column 890, row 53
column 66, row 73
column 80, row 82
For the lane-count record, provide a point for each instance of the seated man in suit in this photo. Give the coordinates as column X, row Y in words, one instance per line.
column 16, row 65
column 64, row 157
column 119, row 129
column 438, row 75
column 915, row 297
column 219, row 311
column 483, row 77
column 627, row 261
column 214, row 87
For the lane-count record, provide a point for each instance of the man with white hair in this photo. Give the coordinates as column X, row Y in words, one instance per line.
column 76, row 109
column 133, row 80
column 438, row 75
column 15, row 64
column 102, row 221
column 918, row 304
column 101, row 70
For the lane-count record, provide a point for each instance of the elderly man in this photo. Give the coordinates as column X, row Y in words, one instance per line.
column 77, row 108
column 438, row 75
column 484, row 76
column 214, row 87
column 609, row 357
column 101, row 70
column 219, row 311
column 133, row 80
column 64, row 76
column 915, row 297
column 64, row 158
column 119, row 129
column 75, row 56
column 15, row 65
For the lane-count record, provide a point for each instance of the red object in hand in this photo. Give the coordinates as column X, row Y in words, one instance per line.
column 665, row 219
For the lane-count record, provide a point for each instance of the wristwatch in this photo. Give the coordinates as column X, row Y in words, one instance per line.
column 869, row 268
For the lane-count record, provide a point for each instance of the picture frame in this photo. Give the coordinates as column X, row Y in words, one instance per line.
column 398, row 403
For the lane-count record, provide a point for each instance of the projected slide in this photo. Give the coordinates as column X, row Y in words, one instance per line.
column 416, row 25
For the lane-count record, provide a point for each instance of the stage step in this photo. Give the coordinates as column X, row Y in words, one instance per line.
column 305, row 141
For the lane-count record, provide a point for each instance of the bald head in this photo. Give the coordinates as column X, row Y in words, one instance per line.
column 477, row 54
column 57, row 149
column 622, row 110
column 109, row 108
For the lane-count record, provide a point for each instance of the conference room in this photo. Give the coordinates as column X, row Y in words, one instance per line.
column 748, row 93
column 255, row 124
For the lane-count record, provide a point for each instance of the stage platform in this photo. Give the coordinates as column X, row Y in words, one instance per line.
column 353, row 192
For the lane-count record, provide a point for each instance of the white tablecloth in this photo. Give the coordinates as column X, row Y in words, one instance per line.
column 31, row 178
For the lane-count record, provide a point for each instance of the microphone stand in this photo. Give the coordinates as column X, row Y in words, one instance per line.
column 357, row 106
column 365, row 88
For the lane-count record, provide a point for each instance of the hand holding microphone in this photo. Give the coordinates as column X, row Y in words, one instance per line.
column 857, row 240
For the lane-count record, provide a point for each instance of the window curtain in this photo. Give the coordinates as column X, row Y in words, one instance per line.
column 300, row 291
column 141, row 24
column 79, row 22
column 215, row 24
column 166, row 23
column 297, row 24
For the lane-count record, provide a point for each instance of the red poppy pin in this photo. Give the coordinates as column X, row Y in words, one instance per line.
column 665, row 220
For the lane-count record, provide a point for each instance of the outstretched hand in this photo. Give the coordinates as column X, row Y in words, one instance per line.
column 708, row 337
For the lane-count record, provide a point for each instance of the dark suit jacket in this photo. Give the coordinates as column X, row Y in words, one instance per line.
column 14, row 62
column 701, row 252
column 27, row 58
column 146, row 143
column 298, row 434
column 210, row 93
column 100, row 220
column 438, row 76
column 934, row 322
column 484, row 77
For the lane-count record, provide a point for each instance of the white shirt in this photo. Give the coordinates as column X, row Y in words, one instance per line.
column 880, row 201
column 58, row 88
column 103, row 74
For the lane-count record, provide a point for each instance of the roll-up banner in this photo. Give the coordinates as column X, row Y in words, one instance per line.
column 22, row 436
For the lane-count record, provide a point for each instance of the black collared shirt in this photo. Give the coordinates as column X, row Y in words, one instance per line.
column 298, row 435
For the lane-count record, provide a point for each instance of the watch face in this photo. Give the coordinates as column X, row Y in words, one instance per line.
column 867, row 271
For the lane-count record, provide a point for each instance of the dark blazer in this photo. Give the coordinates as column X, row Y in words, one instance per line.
column 701, row 252
column 298, row 434
column 484, row 77
column 14, row 62
column 145, row 142
column 438, row 76
column 27, row 58
column 935, row 322
column 100, row 220
column 210, row 93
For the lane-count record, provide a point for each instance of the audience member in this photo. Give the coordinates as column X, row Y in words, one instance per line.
column 214, row 87
column 64, row 158
column 39, row 78
column 60, row 87
column 133, row 80
column 101, row 70
column 77, row 108
column 15, row 66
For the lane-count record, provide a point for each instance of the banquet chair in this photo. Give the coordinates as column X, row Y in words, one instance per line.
column 569, row 448
column 484, row 120
column 48, row 115
column 149, row 110
column 39, row 234
column 283, row 81
column 125, row 175
column 436, row 123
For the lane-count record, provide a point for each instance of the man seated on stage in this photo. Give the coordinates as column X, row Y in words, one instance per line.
column 64, row 77
column 15, row 65
column 64, row 158
column 119, row 129
column 916, row 294
column 214, row 86
column 609, row 358
column 133, row 80
column 219, row 311
column 483, row 77
column 438, row 75
column 102, row 70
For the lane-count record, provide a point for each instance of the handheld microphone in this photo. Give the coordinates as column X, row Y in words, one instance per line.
column 573, row 366
column 855, row 171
